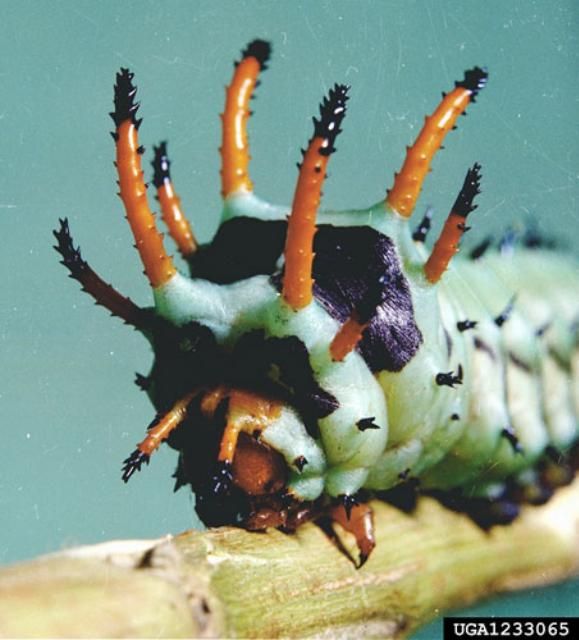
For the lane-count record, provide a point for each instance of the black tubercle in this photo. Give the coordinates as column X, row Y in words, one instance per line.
column 161, row 165
column 463, row 204
column 367, row 423
column 506, row 313
column 125, row 105
column 332, row 112
column 509, row 434
column 348, row 502
column 260, row 50
column 134, row 463
column 466, row 325
column 481, row 248
column 449, row 379
column 474, row 80
column 300, row 462
column 143, row 382
column 423, row 228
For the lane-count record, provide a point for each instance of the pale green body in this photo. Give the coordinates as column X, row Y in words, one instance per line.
column 418, row 433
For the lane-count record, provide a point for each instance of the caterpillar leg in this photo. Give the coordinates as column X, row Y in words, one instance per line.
column 158, row 264
column 171, row 210
column 102, row 293
column 298, row 253
column 359, row 521
column 408, row 182
column 158, row 433
column 248, row 413
column 235, row 147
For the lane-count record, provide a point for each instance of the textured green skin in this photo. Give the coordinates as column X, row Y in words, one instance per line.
column 416, row 431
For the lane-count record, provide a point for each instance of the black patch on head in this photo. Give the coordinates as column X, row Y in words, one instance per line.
column 283, row 366
column 185, row 358
column 161, row 165
column 355, row 269
column 242, row 247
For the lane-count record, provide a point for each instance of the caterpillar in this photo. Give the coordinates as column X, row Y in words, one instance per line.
column 312, row 359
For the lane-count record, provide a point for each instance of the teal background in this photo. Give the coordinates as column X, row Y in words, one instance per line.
column 69, row 410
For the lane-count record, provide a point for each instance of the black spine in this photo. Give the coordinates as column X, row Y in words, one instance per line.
column 474, row 80
column 161, row 165
column 506, row 313
column 332, row 112
column 463, row 204
column 481, row 248
column 260, row 50
column 124, row 99
column 423, row 228
column 71, row 256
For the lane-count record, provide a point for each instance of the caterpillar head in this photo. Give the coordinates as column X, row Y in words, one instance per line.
column 268, row 357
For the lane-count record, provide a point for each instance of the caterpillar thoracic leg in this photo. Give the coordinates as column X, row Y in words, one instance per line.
column 158, row 433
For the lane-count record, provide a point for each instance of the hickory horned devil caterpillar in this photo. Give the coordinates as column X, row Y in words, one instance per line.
column 313, row 359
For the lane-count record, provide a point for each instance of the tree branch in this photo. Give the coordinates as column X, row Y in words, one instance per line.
column 230, row 583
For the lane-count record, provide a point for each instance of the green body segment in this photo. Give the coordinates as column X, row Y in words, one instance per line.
column 521, row 377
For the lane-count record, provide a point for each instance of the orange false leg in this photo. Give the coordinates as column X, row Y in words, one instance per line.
column 347, row 338
column 102, row 292
column 235, row 147
column 299, row 248
column 404, row 194
column 447, row 244
column 158, row 264
column 157, row 434
column 359, row 521
column 171, row 210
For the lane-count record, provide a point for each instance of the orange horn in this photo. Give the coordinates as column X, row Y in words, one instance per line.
column 404, row 194
column 299, row 247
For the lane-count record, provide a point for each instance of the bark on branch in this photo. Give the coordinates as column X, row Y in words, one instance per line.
column 230, row 583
